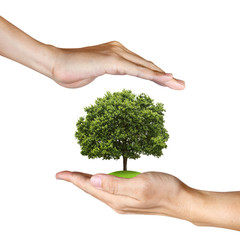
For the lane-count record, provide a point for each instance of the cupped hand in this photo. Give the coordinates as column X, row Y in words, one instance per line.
column 148, row 193
column 74, row 68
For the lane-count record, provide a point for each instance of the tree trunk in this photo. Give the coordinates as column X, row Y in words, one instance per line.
column 124, row 164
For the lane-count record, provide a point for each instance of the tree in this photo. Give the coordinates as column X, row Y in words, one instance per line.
column 122, row 124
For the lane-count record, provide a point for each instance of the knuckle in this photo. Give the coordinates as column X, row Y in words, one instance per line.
column 74, row 178
column 151, row 66
column 78, row 182
column 115, row 43
column 115, row 46
column 112, row 186
column 150, row 63
column 115, row 49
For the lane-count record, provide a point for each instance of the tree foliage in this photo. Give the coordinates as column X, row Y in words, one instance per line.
column 122, row 124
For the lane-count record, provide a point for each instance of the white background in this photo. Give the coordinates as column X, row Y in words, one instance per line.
column 197, row 41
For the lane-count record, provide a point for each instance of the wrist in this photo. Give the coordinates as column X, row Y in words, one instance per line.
column 188, row 204
column 181, row 205
column 46, row 62
column 197, row 207
column 192, row 205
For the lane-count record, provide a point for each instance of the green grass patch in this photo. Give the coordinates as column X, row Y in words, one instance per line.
column 125, row 174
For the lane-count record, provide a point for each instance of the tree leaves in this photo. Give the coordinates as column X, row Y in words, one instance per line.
column 122, row 124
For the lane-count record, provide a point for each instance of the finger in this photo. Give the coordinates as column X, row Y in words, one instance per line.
column 115, row 185
column 121, row 49
column 82, row 181
column 173, row 83
column 67, row 175
column 141, row 61
column 133, row 57
column 127, row 67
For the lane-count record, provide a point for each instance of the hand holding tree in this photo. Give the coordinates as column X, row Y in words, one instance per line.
column 158, row 193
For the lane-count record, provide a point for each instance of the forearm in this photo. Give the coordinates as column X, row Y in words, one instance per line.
column 216, row 209
column 20, row 47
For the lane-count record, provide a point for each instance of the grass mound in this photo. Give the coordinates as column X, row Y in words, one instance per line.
column 125, row 174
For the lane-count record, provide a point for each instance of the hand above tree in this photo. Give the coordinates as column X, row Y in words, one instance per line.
column 160, row 194
column 74, row 68
column 78, row 67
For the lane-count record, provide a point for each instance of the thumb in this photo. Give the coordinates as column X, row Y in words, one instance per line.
column 112, row 184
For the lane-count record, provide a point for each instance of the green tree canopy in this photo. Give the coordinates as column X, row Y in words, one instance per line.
column 122, row 124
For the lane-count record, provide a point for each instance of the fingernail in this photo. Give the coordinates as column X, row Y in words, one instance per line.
column 182, row 83
column 175, row 85
column 96, row 181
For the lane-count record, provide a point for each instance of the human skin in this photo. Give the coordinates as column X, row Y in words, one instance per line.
column 159, row 193
column 77, row 67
